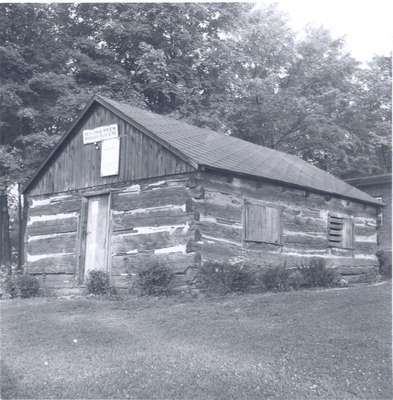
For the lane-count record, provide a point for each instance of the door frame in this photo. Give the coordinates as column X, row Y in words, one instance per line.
column 82, row 234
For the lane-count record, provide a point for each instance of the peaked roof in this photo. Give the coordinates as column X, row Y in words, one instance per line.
column 203, row 147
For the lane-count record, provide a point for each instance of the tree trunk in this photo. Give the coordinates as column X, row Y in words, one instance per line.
column 5, row 244
column 21, row 227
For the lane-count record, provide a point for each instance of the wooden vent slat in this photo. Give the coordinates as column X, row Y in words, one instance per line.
column 340, row 232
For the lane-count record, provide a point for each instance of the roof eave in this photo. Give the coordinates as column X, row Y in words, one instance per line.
column 294, row 185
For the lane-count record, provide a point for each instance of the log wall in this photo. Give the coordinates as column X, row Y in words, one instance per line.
column 304, row 226
column 185, row 219
column 150, row 220
column 51, row 233
column 153, row 221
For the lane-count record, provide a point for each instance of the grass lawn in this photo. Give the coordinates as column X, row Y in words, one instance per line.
column 325, row 344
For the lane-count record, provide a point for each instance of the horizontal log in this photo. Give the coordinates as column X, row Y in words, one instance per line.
column 153, row 198
column 132, row 264
column 262, row 246
column 226, row 232
column 215, row 250
column 228, row 212
column 304, row 224
column 123, row 243
column 57, row 281
column 281, row 194
column 33, row 201
column 121, row 282
column 62, row 243
column 158, row 183
column 350, row 262
column 305, row 241
column 355, row 270
column 198, row 192
column 250, row 188
column 127, row 221
column 365, row 247
column 182, row 282
column 361, row 278
column 312, row 213
column 363, row 230
column 65, row 264
column 57, row 207
column 61, row 225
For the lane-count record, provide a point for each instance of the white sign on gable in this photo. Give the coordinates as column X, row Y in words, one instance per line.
column 110, row 150
column 100, row 133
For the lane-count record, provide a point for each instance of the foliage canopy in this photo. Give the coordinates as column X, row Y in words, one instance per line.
column 223, row 66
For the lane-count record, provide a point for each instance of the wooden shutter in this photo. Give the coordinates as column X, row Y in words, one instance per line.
column 340, row 232
column 262, row 223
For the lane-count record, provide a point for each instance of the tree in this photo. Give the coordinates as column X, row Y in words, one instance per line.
column 54, row 57
column 222, row 66
column 372, row 117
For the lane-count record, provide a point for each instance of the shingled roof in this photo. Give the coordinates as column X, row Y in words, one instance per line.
column 216, row 150
column 206, row 148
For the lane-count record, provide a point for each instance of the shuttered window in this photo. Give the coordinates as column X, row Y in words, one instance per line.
column 262, row 223
column 340, row 232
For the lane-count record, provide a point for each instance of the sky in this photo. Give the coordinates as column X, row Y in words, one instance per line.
column 367, row 25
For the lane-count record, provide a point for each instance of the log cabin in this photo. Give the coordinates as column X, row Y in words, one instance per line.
column 125, row 187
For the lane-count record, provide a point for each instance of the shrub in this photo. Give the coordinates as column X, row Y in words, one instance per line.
column 98, row 282
column 222, row 278
column 10, row 286
column 276, row 278
column 385, row 263
column 295, row 279
column 154, row 280
column 28, row 285
column 317, row 275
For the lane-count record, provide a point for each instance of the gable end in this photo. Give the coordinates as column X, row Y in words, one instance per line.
column 73, row 165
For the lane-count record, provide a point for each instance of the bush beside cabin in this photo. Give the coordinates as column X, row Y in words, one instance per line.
column 163, row 206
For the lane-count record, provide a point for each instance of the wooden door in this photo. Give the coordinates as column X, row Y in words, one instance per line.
column 96, row 253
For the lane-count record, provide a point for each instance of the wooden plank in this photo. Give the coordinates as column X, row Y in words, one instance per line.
column 62, row 243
